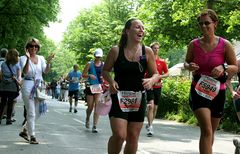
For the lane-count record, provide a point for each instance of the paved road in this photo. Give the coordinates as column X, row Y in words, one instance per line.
column 61, row 132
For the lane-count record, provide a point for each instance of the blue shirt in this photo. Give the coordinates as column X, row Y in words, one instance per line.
column 7, row 75
column 74, row 80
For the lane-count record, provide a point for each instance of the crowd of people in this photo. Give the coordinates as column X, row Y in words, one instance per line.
column 136, row 86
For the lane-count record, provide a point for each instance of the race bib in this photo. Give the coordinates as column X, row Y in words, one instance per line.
column 207, row 87
column 96, row 88
column 129, row 101
column 75, row 79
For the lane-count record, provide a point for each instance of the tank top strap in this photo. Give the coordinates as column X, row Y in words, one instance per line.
column 143, row 50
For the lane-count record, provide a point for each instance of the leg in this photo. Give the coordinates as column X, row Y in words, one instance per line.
column 150, row 113
column 76, row 100
column 96, row 116
column 119, row 134
column 203, row 116
column 133, row 132
column 2, row 106
column 9, row 111
column 89, row 109
column 215, row 123
column 70, row 94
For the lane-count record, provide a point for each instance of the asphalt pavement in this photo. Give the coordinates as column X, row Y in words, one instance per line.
column 62, row 132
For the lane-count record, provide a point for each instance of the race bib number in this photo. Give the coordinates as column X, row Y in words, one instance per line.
column 207, row 87
column 75, row 79
column 129, row 101
column 96, row 88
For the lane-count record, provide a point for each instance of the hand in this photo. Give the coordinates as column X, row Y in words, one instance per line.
column 235, row 95
column 217, row 71
column 93, row 77
column 27, row 54
column 147, row 83
column 114, row 87
column 50, row 57
column 193, row 66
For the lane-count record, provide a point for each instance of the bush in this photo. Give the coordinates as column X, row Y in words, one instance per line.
column 174, row 104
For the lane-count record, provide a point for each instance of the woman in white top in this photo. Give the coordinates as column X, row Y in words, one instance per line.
column 33, row 66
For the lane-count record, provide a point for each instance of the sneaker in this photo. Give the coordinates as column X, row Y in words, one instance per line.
column 150, row 131
column 94, row 129
column 75, row 111
column 33, row 140
column 24, row 135
column 70, row 109
column 13, row 120
column 236, row 142
column 4, row 116
column 8, row 122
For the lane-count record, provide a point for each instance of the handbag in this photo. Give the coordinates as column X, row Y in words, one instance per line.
column 10, row 85
column 15, row 81
column 40, row 95
column 104, row 105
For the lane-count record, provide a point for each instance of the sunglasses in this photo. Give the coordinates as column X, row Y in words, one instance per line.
column 31, row 46
column 206, row 23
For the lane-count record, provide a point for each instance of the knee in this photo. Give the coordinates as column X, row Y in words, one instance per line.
column 151, row 107
column 119, row 137
column 206, row 131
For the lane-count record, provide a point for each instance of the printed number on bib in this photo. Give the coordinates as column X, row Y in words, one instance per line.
column 75, row 79
column 207, row 87
column 96, row 88
column 129, row 101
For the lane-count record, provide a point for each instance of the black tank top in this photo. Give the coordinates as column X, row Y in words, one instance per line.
column 129, row 74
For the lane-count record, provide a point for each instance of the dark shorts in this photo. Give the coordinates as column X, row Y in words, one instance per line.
column 73, row 93
column 216, row 105
column 138, row 116
column 88, row 91
column 155, row 95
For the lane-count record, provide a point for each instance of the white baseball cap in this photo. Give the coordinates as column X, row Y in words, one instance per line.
column 98, row 52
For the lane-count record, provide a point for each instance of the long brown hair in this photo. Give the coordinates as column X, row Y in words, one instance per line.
column 123, row 39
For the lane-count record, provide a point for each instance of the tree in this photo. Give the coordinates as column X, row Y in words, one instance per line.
column 98, row 27
column 21, row 19
column 175, row 21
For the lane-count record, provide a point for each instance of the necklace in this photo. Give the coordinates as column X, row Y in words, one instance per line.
column 132, row 56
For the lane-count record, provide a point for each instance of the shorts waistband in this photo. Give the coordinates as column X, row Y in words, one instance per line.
column 28, row 78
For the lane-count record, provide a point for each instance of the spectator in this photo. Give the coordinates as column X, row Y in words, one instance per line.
column 33, row 66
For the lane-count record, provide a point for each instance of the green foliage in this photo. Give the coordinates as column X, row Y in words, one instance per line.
column 174, row 98
column 230, row 121
column 98, row 27
column 175, row 105
column 22, row 19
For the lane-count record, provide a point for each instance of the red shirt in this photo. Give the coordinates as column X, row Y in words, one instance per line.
column 161, row 68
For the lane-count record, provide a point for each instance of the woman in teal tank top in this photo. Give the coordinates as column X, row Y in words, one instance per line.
column 93, row 73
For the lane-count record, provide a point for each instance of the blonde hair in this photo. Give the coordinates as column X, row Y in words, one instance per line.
column 153, row 44
column 29, row 42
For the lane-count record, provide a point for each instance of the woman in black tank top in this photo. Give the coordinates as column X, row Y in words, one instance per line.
column 129, row 60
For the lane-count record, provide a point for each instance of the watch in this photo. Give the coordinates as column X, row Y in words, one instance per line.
column 225, row 66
